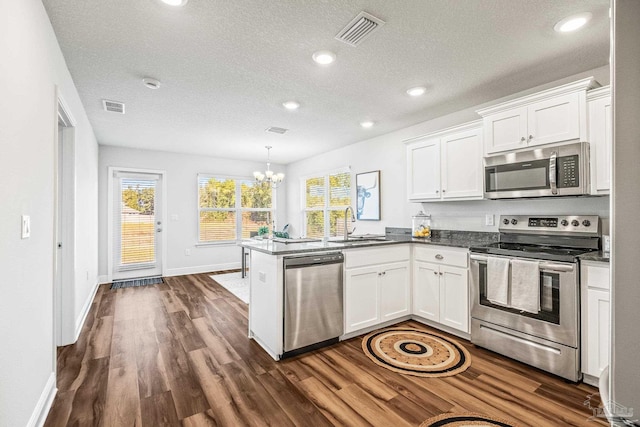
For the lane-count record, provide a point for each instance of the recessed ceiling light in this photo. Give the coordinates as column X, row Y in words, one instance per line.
column 175, row 2
column 366, row 124
column 151, row 83
column 572, row 23
column 324, row 57
column 291, row 105
column 417, row 91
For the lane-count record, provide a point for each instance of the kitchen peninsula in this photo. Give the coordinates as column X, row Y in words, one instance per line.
column 378, row 286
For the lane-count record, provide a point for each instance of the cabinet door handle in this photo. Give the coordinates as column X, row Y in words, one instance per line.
column 530, row 137
column 435, row 272
column 437, row 191
column 523, row 139
column 438, row 256
column 444, row 191
column 441, row 273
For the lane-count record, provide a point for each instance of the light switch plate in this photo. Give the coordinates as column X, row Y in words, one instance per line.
column 26, row 226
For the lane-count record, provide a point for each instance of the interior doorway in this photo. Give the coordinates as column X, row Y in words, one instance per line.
column 64, row 323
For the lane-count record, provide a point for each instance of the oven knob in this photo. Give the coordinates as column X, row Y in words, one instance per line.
column 505, row 221
column 564, row 222
column 586, row 223
column 514, row 221
column 575, row 223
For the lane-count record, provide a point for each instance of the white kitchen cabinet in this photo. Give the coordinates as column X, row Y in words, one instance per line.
column 426, row 290
column 454, row 297
column 362, row 308
column 462, row 173
column 553, row 115
column 423, row 170
column 595, row 319
column 446, row 165
column 441, row 286
column 395, row 291
column 600, row 138
column 377, row 286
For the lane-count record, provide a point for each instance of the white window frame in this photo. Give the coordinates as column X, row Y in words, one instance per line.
column 326, row 208
column 238, row 209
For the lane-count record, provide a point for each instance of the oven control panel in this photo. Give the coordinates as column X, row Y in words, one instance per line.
column 548, row 224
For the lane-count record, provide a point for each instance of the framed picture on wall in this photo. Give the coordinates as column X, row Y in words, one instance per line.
column 368, row 194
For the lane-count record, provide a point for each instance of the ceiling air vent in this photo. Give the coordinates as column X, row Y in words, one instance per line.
column 274, row 129
column 361, row 27
column 113, row 106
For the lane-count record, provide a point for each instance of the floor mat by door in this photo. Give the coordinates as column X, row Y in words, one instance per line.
column 141, row 281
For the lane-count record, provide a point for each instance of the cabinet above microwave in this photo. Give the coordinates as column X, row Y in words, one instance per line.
column 553, row 115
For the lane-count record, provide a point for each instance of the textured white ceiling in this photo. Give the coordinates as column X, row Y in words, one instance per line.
column 226, row 66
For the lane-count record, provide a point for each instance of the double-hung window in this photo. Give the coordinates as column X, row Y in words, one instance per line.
column 326, row 197
column 231, row 209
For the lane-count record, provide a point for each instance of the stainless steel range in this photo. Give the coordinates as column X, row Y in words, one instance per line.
column 525, row 290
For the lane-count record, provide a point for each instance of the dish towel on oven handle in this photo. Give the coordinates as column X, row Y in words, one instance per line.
column 525, row 285
column 498, row 281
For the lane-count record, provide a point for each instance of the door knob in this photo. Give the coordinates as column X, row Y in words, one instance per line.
column 159, row 230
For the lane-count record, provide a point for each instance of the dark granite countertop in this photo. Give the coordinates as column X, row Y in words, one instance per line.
column 459, row 239
column 598, row 256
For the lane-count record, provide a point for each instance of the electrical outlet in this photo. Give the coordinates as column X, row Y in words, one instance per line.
column 187, row 252
column 26, row 226
column 262, row 276
column 488, row 219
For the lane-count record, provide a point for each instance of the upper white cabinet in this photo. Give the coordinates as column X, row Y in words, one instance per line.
column 553, row 115
column 423, row 170
column 446, row 165
column 600, row 138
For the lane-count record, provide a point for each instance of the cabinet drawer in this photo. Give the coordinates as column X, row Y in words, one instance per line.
column 375, row 256
column 441, row 255
column 596, row 276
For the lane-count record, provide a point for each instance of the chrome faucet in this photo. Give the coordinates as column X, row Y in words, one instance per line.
column 353, row 219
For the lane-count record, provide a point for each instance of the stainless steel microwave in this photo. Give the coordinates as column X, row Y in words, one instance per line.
column 551, row 170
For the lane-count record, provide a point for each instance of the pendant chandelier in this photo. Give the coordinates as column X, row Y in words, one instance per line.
column 269, row 176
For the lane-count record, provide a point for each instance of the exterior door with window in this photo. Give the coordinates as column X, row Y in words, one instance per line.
column 137, row 225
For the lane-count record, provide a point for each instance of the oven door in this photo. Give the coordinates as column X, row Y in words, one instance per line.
column 557, row 320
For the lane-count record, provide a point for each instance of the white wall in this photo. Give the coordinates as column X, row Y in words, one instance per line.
column 625, row 361
column 387, row 154
column 31, row 67
column 182, row 200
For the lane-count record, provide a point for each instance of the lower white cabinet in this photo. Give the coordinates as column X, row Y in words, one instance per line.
column 377, row 292
column 595, row 318
column 440, row 290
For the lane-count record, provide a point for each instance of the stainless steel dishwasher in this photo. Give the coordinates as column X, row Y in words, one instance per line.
column 312, row 301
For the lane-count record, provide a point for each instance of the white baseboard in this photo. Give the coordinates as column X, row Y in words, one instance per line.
column 83, row 314
column 202, row 269
column 103, row 279
column 39, row 415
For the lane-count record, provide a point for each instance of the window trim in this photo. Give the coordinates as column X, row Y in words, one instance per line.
column 326, row 208
column 238, row 209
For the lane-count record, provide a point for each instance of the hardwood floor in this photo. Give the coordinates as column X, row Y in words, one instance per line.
column 178, row 354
